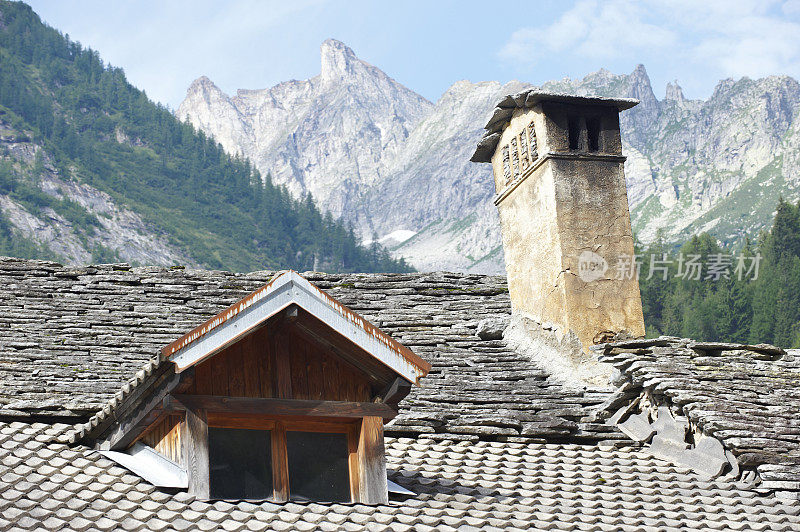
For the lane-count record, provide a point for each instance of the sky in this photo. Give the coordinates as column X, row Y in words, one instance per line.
column 163, row 45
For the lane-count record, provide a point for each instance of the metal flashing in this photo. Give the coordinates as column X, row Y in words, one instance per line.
column 156, row 469
column 394, row 487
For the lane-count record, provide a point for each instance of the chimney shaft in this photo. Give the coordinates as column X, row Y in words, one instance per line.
column 561, row 196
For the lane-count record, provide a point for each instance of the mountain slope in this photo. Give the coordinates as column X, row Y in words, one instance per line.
column 90, row 169
column 718, row 165
column 371, row 150
column 433, row 189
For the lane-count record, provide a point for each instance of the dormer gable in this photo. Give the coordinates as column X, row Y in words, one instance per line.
column 281, row 396
column 285, row 290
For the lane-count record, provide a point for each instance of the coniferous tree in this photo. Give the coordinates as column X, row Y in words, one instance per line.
column 96, row 127
column 757, row 300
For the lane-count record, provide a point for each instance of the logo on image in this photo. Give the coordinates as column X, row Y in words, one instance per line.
column 591, row 266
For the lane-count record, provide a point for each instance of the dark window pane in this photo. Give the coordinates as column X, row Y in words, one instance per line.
column 318, row 466
column 240, row 463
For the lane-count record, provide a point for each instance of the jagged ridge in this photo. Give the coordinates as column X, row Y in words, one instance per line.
column 693, row 165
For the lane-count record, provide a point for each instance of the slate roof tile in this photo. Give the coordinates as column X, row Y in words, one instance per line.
column 746, row 396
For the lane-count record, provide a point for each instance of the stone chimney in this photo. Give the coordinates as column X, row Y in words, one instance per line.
column 560, row 183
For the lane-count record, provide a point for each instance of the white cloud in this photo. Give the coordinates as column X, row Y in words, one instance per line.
column 163, row 46
column 747, row 39
column 791, row 7
column 590, row 29
column 724, row 38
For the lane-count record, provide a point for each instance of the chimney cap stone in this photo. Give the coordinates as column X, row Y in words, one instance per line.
column 526, row 99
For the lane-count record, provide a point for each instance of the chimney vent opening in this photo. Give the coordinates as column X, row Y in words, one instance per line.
column 514, row 158
column 533, row 145
column 593, row 132
column 506, row 164
column 523, row 150
column 574, row 132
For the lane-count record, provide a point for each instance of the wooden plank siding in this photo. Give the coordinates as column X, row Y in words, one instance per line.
column 281, row 363
column 280, row 378
column 165, row 437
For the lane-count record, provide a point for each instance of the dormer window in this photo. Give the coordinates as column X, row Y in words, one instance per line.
column 310, row 463
column 318, row 466
column 282, row 396
column 240, row 463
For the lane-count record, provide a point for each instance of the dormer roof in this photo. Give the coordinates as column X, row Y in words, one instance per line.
column 286, row 289
column 287, row 293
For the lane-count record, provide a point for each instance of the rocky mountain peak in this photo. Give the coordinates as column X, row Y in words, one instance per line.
column 337, row 59
column 642, row 117
column 674, row 92
column 600, row 77
column 202, row 84
column 722, row 87
column 640, row 85
column 332, row 135
column 391, row 163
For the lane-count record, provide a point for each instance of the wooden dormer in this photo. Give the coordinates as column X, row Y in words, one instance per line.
column 281, row 396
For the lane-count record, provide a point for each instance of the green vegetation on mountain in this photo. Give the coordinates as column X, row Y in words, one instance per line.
column 96, row 128
column 747, row 306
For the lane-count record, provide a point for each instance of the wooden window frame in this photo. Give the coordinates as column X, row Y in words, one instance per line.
column 278, row 428
column 366, row 456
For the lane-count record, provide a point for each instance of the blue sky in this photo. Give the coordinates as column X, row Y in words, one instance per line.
column 428, row 45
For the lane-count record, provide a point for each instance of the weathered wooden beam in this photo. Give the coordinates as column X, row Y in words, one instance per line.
column 373, row 488
column 195, row 449
column 131, row 425
column 353, row 436
column 280, row 464
column 281, row 407
column 395, row 392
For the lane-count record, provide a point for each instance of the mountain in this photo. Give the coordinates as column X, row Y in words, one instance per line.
column 716, row 165
column 329, row 135
column 92, row 170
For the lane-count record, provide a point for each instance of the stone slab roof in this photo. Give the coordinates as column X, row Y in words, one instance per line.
column 70, row 338
column 748, row 397
column 459, row 485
